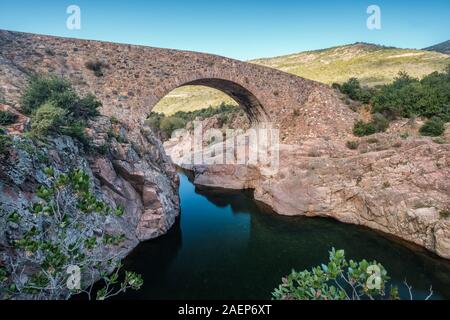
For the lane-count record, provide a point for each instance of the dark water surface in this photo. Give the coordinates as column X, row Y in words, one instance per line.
column 227, row 246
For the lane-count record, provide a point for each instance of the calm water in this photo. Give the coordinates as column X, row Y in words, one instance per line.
column 227, row 246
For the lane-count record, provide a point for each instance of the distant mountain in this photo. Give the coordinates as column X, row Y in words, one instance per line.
column 443, row 47
column 372, row 64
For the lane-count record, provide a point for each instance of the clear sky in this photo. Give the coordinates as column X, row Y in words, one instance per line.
column 242, row 29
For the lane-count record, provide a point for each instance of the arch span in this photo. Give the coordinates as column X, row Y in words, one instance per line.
column 245, row 98
column 135, row 78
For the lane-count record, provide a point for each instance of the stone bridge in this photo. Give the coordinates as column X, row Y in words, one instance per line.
column 135, row 78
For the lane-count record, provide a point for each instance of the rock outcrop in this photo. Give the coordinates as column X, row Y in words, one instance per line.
column 128, row 170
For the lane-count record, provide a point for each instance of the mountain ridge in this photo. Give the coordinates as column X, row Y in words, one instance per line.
column 443, row 47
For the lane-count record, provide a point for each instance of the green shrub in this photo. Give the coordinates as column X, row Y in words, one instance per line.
column 55, row 107
column 362, row 129
column 378, row 124
column 45, row 88
column 48, row 119
column 434, row 127
column 67, row 244
column 404, row 97
column 340, row 279
column 42, row 89
column 154, row 120
column 167, row 124
column 170, row 124
column 353, row 89
column 7, row 118
column 5, row 142
column 409, row 97
column 86, row 108
column 336, row 86
column 77, row 130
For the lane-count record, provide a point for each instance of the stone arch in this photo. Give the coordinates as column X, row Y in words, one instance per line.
column 238, row 92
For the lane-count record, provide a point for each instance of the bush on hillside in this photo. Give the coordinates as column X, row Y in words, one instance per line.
column 434, row 127
column 5, row 142
column 379, row 123
column 169, row 124
column 408, row 97
column 58, row 238
column 405, row 97
column 47, row 119
column 7, row 118
column 55, row 107
column 353, row 89
column 362, row 129
column 45, row 88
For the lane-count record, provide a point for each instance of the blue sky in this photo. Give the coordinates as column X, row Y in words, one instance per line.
column 236, row 28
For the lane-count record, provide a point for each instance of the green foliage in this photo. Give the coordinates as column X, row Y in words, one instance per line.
column 5, row 142
column 362, row 129
column 14, row 217
column 340, row 279
column 42, row 89
column 405, row 97
column 434, row 127
column 64, row 242
column 167, row 124
column 55, row 108
column 86, row 108
column 3, row 275
column 353, row 89
column 409, row 97
column 378, row 124
column 113, row 240
column 170, row 124
column 47, row 119
column 113, row 135
column 131, row 281
column 7, row 118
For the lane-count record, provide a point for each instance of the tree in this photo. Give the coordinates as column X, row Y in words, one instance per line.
column 61, row 235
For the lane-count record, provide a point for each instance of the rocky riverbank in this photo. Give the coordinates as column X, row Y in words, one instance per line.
column 400, row 186
column 134, row 178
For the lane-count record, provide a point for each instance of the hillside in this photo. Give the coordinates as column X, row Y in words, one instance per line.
column 443, row 47
column 372, row 64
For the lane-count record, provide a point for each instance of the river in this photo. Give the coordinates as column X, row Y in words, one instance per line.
column 228, row 246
